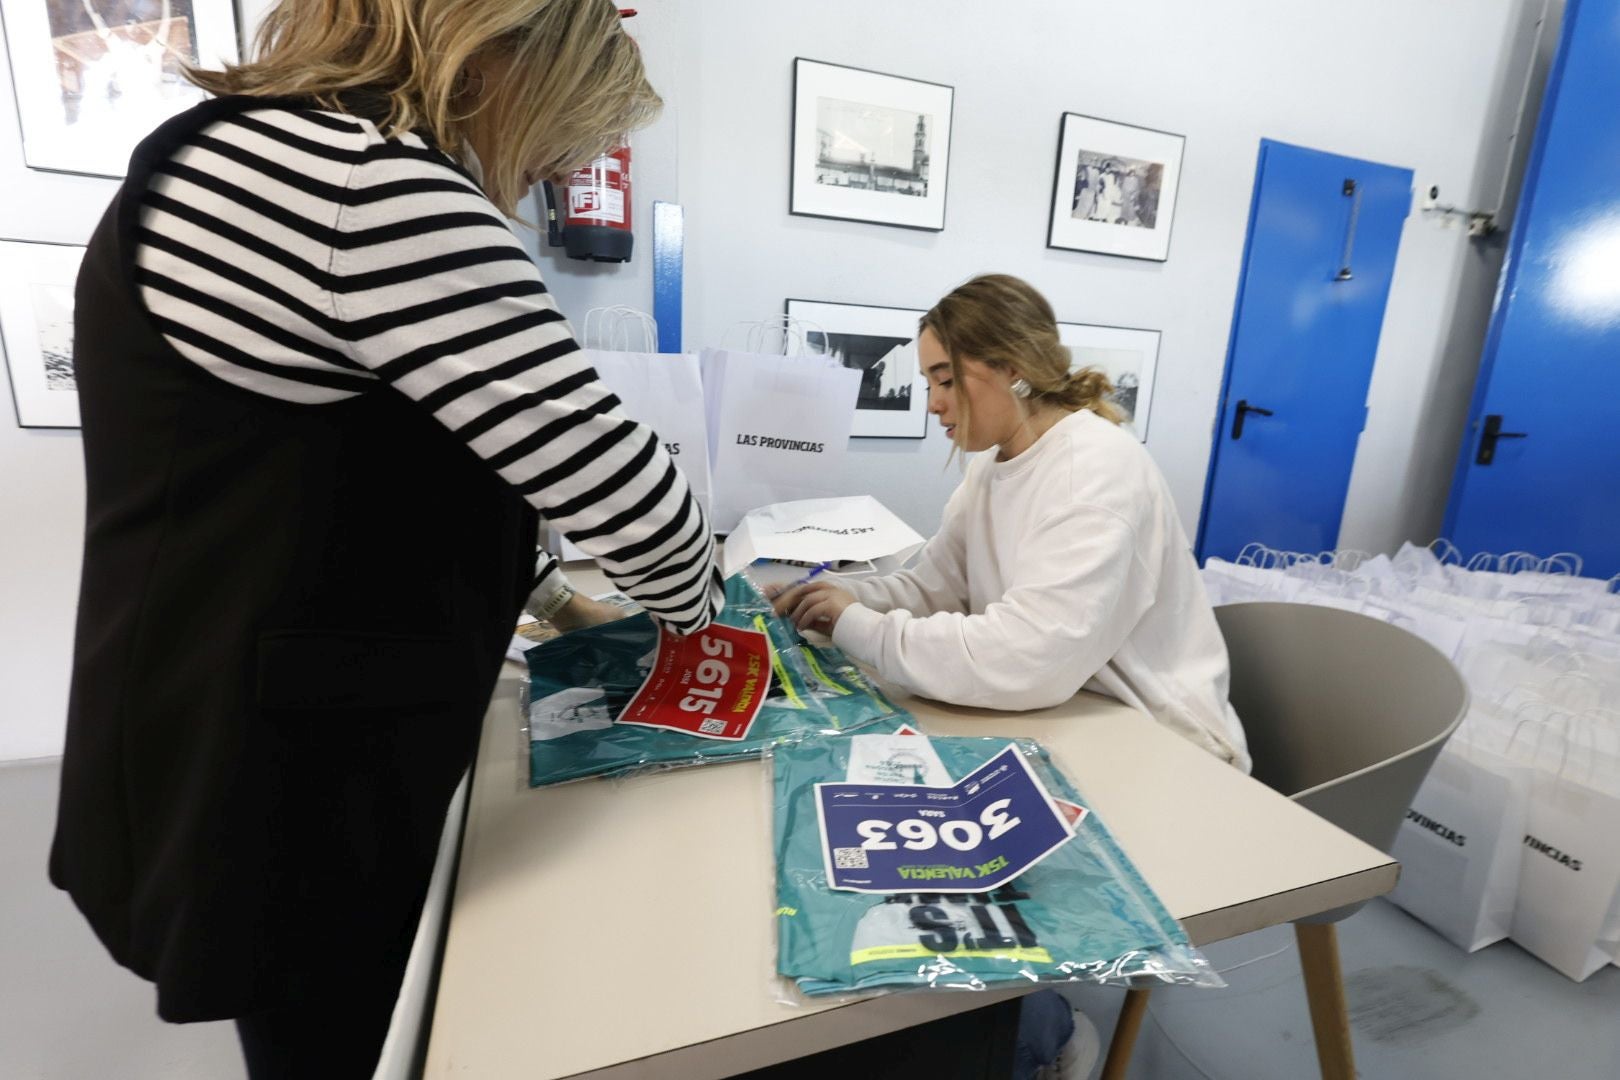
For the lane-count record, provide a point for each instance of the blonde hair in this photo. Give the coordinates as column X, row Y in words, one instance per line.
column 576, row 86
column 1003, row 321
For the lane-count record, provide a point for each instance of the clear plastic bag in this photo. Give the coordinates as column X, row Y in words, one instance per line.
column 1082, row 914
column 580, row 685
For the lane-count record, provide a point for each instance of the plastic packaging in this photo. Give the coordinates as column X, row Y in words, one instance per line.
column 1082, row 914
column 580, row 685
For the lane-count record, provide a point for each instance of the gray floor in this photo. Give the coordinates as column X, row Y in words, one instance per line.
column 67, row 1012
column 1420, row 1008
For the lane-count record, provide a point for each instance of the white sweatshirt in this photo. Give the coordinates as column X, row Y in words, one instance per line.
column 1063, row 568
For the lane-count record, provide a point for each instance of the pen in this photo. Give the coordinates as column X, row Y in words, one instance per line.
column 819, row 567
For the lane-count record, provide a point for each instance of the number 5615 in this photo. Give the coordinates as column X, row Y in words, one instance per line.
column 712, row 676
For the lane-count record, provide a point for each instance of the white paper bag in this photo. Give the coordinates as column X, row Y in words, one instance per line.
column 778, row 429
column 1461, row 844
column 1609, row 937
column 1418, row 564
column 1237, row 583
column 663, row 391
column 855, row 528
column 1569, row 874
column 1442, row 631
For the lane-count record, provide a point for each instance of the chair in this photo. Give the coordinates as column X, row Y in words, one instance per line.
column 1344, row 715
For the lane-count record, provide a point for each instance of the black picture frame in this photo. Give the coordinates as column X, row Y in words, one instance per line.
column 1120, row 237
column 1114, row 341
column 37, row 280
column 807, row 197
column 219, row 40
column 878, row 321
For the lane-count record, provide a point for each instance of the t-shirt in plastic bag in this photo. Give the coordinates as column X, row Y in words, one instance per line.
column 1082, row 913
column 749, row 683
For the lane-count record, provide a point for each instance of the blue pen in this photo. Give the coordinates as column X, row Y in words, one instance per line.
column 819, row 567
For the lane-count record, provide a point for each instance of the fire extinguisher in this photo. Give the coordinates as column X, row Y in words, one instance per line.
column 590, row 216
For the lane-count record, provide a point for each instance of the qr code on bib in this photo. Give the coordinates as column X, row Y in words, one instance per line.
column 712, row 727
column 849, row 858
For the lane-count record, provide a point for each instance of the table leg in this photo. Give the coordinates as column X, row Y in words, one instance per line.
column 1131, row 1014
column 1324, row 989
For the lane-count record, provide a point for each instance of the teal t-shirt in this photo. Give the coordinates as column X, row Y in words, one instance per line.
column 1083, row 913
column 580, row 683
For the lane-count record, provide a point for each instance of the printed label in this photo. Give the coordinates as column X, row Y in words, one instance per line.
column 710, row 684
column 978, row 834
column 596, row 204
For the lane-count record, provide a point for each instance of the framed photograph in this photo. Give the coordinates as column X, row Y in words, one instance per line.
column 1130, row 359
column 1115, row 190
column 94, row 77
column 880, row 343
column 869, row 147
column 36, row 330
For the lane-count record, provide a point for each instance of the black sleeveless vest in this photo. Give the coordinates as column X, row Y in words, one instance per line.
column 291, row 619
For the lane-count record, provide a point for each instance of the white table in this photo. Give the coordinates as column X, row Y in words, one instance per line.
column 564, row 960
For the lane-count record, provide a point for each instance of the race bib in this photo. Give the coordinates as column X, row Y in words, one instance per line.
column 710, row 684
column 973, row 836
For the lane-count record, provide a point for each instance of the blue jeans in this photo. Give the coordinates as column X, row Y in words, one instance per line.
column 1045, row 1023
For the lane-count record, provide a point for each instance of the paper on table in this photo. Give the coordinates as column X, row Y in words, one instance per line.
column 854, row 528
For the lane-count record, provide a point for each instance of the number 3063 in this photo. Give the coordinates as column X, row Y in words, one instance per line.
column 921, row 835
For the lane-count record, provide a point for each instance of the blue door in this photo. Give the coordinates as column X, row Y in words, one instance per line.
column 1540, row 465
column 1323, row 232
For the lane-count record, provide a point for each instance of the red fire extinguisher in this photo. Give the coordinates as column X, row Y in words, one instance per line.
column 590, row 217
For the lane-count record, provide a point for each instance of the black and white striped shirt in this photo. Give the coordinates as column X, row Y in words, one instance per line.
column 301, row 254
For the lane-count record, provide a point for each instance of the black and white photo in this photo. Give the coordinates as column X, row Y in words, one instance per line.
column 94, row 77
column 1130, row 359
column 36, row 330
column 888, row 365
column 869, row 147
column 880, row 343
column 1115, row 188
column 53, row 323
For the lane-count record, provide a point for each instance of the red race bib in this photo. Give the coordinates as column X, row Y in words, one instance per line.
column 710, row 684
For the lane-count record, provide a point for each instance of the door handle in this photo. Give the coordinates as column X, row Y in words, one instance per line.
column 1489, row 436
column 1243, row 410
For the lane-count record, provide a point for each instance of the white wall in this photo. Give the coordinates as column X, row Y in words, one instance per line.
column 41, row 481
column 1397, row 82
column 660, row 155
column 1419, row 397
column 1424, row 85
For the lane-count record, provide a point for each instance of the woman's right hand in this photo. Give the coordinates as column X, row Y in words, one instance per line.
column 815, row 606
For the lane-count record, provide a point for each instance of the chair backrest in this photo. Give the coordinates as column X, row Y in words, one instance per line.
column 1344, row 713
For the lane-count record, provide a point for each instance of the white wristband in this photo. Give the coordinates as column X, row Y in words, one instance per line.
column 553, row 603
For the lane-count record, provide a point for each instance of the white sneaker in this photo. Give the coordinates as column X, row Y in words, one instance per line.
column 1079, row 1055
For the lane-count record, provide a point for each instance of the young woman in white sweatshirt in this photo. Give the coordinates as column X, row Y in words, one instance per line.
column 1060, row 563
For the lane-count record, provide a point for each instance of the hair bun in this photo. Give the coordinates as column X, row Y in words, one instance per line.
column 1090, row 382
column 1090, row 388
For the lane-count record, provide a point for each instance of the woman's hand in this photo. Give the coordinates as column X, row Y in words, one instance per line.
column 815, row 606
column 581, row 611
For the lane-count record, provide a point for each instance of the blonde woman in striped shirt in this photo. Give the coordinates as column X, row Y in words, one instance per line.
column 326, row 395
